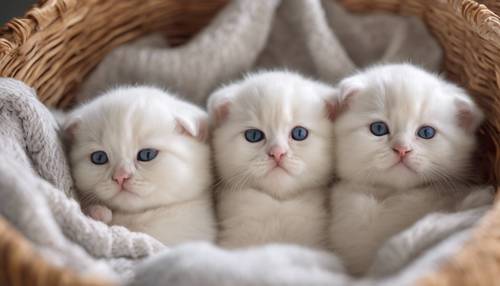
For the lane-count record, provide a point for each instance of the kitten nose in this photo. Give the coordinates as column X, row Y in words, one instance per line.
column 120, row 176
column 401, row 150
column 277, row 153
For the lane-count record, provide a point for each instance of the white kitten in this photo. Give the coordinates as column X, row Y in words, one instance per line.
column 405, row 139
column 142, row 153
column 272, row 144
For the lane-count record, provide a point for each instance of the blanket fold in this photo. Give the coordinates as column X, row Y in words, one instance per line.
column 253, row 35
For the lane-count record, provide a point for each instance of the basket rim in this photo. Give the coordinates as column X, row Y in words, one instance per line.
column 15, row 32
column 484, row 21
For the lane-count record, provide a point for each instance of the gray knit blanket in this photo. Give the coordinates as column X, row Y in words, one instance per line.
column 314, row 37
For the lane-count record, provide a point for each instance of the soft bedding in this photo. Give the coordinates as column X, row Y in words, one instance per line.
column 316, row 38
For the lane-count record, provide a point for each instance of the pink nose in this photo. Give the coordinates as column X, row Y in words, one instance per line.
column 120, row 176
column 401, row 150
column 277, row 153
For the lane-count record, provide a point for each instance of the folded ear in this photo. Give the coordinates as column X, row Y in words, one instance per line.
column 469, row 116
column 219, row 103
column 338, row 100
column 196, row 127
column 69, row 127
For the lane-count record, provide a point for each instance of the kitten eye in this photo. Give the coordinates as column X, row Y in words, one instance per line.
column 426, row 132
column 99, row 157
column 254, row 135
column 379, row 128
column 147, row 154
column 299, row 133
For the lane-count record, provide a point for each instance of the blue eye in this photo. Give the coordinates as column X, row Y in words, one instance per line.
column 147, row 154
column 426, row 132
column 254, row 135
column 379, row 128
column 299, row 133
column 99, row 157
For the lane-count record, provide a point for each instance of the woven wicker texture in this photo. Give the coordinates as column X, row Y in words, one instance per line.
column 493, row 5
column 58, row 42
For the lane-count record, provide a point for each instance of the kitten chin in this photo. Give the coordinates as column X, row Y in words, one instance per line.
column 273, row 154
column 141, row 152
column 405, row 140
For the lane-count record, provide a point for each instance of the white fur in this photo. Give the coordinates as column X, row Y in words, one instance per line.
column 167, row 197
column 377, row 197
column 257, row 204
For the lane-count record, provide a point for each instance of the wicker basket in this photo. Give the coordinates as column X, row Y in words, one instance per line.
column 59, row 41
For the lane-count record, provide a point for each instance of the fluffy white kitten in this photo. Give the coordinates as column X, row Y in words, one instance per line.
column 405, row 139
column 272, row 142
column 142, row 154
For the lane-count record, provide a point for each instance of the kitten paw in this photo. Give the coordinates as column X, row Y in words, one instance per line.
column 100, row 213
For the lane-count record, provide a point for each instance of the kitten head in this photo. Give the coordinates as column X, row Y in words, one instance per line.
column 138, row 147
column 401, row 126
column 273, row 132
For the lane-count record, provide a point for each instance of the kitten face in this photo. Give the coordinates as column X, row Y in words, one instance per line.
column 402, row 127
column 273, row 133
column 137, row 147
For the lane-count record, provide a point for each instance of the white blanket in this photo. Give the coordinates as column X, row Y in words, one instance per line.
column 316, row 38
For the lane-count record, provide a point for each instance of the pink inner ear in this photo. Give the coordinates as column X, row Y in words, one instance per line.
column 331, row 108
column 202, row 130
column 70, row 129
column 183, row 128
column 465, row 118
column 221, row 112
column 179, row 127
column 199, row 132
column 340, row 105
